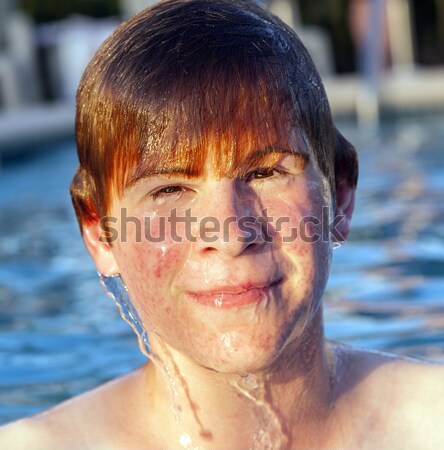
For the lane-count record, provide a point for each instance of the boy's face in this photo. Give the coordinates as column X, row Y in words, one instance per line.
column 226, row 271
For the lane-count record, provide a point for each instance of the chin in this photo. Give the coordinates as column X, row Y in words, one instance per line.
column 237, row 354
column 267, row 351
column 240, row 365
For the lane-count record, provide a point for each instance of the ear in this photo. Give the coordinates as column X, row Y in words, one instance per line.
column 99, row 249
column 345, row 204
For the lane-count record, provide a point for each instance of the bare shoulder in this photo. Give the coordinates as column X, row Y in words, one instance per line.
column 421, row 397
column 403, row 397
column 81, row 422
column 413, row 385
column 27, row 434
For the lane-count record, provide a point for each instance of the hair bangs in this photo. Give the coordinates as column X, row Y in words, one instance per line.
column 218, row 120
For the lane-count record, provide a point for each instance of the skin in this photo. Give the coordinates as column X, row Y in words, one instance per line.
column 315, row 394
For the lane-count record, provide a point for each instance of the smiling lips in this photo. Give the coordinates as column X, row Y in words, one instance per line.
column 235, row 296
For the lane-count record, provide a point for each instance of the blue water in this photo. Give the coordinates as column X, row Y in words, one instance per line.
column 60, row 334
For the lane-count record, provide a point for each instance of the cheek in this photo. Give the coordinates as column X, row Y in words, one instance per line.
column 150, row 252
column 302, row 237
column 149, row 273
column 296, row 215
column 165, row 262
column 154, row 265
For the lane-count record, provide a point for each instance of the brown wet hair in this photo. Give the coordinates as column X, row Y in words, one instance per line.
column 189, row 77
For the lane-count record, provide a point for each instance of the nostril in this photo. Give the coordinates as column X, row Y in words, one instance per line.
column 209, row 249
column 254, row 246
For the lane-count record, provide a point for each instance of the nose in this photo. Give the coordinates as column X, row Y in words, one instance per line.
column 228, row 224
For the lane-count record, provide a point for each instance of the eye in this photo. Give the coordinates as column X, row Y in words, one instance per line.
column 262, row 173
column 167, row 191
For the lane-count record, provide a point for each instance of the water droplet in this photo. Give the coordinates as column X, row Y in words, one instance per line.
column 336, row 244
column 226, row 339
column 185, row 440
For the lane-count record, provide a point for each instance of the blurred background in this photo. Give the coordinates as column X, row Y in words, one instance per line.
column 382, row 62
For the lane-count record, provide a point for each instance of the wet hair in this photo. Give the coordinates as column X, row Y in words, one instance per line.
column 188, row 79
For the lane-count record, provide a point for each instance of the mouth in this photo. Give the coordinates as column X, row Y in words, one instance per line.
column 234, row 296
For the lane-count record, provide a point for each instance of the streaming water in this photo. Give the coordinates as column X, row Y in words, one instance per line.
column 270, row 433
column 117, row 291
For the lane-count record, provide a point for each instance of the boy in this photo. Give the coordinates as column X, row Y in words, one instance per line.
column 209, row 170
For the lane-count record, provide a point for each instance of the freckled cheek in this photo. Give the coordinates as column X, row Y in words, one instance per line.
column 168, row 262
column 158, row 229
column 267, row 342
column 166, row 230
column 293, row 225
column 149, row 273
column 299, row 236
column 152, row 244
column 299, row 208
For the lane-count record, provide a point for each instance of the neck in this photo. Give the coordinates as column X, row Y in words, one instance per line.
column 284, row 406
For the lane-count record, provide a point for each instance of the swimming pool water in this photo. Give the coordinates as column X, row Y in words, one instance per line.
column 60, row 334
